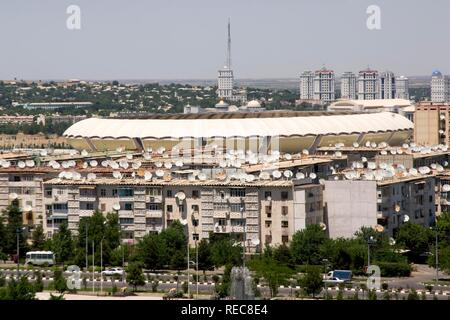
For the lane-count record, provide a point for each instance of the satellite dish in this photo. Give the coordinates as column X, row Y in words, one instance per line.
column 93, row 163
column 180, row 195
column 256, row 242
column 276, row 174
column 147, row 175
column 158, row 164
column 288, row 156
column 159, row 173
column 191, row 177
column 136, row 165
column 433, row 166
column 179, row 163
column 312, row 175
column 6, row 164
column 104, row 163
column 338, row 154
column 405, row 218
column 84, row 153
column 383, row 152
column 323, row 226
column 91, row 176
column 288, row 174
column 119, row 149
column 300, row 175
column 223, row 163
column 379, row 228
column 371, row 165
column 446, row 187
column 202, row 176
column 114, row 165
column 397, row 208
column 368, row 144
column 21, row 164
column 44, row 153
column 363, row 159
column 29, row 163
column 264, row 175
column 183, row 222
column 129, row 156
column 27, row 208
column 13, row 196
column 168, row 165
column 85, row 165
column 116, row 206
column 147, row 156
column 383, row 165
column 124, row 164
column 392, row 241
column 355, row 144
column 305, row 152
column 76, row 175
column 117, row 175
column 161, row 150
column 69, row 175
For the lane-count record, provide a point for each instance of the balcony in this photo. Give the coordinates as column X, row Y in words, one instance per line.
column 236, row 215
column 154, row 228
column 239, row 229
column 222, row 229
column 154, row 214
column 220, row 214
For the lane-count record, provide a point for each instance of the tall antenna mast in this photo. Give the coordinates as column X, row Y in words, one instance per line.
column 228, row 63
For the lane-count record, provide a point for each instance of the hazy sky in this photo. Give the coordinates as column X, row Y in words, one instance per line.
column 180, row 39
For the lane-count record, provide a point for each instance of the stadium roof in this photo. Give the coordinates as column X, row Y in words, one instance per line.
column 163, row 128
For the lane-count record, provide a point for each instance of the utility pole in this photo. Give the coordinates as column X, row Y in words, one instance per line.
column 93, row 266
column 188, row 289
column 196, row 264
column 87, row 267
column 18, row 254
column 437, row 256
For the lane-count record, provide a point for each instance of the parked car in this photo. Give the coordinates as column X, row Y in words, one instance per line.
column 333, row 280
column 113, row 272
column 344, row 275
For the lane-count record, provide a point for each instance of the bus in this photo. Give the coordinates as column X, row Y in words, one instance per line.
column 40, row 258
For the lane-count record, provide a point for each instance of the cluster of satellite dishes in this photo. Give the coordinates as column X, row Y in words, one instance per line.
column 5, row 163
column 367, row 170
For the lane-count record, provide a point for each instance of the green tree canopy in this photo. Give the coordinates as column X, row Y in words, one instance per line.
column 38, row 238
column 306, row 244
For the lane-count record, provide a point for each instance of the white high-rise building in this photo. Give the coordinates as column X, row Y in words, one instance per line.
column 387, row 85
column 368, row 85
column 439, row 87
column 307, row 85
column 402, row 88
column 348, row 86
column 324, row 85
column 225, row 78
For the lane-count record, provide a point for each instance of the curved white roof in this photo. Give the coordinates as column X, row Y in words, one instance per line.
column 243, row 127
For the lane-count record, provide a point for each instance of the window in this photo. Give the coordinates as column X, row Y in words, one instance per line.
column 431, row 198
column 153, row 221
column 237, row 192
column 126, row 192
column 127, row 235
column 103, row 192
column 60, row 191
column 153, row 192
column 84, row 205
column 268, row 223
column 195, row 236
column 195, row 222
column 169, row 208
column 222, row 222
column 48, row 192
column 284, row 224
column 87, row 193
column 220, row 206
column 60, row 206
column 284, row 210
column 114, row 192
column 267, row 194
column 181, row 207
column 269, row 211
column 284, row 239
column 169, row 194
column 126, row 220
column 268, row 239
column 153, row 206
column 126, row 206
column 237, row 207
column 195, row 194
column 48, row 209
column 284, row 195
column 103, row 207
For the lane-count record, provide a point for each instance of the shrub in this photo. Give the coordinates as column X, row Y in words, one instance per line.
column 384, row 286
column 394, row 269
column 184, row 287
column 412, row 295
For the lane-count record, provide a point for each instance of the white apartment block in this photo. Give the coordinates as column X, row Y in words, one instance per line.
column 352, row 204
column 348, row 86
column 368, row 85
column 225, row 83
column 402, row 88
column 439, row 87
column 387, row 85
column 307, row 85
column 270, row 211
column 324, row 85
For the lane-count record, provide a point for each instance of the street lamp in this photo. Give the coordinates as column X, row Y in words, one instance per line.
column 87, row 227
column 436, row 253
column 101, row 259
column 18, row 232
column 370, row 241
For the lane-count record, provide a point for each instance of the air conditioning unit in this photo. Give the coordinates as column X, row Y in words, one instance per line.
column 152, row 199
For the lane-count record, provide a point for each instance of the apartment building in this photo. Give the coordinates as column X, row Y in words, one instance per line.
column 439, row 87
column 431, row 123
column 385, row 205
column 324, row 85
column 264, row 212
column 348, row 86
column 402, row 88
column 368, row 85
column 387, row 85
column 307, row 85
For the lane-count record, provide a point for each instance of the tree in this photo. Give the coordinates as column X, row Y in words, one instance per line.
column 18, row 290
column 415, row 238
column 272, row 271
column 59, row 282
column 151, row 251
column 306, row 244
column 224, row 250
column 175, row 243
column 14, row 224
column 135, row 276
column 204, row 256
column 62, row 244
column 312, row 282
column 38, row 238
